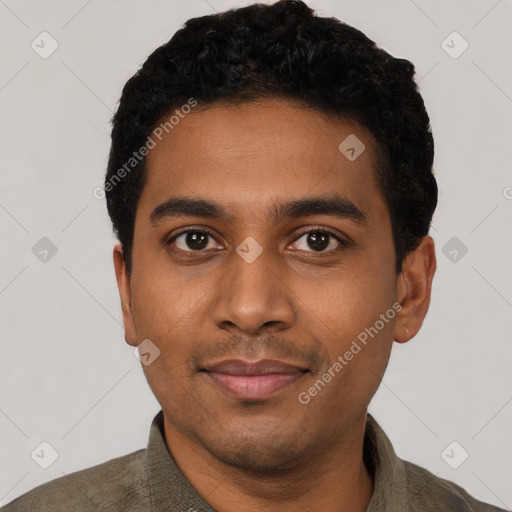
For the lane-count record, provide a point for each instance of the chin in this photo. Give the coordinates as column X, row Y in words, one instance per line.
column 258, row 454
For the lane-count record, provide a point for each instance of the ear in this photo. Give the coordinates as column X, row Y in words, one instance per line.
column 414, row 288
column 123, row 283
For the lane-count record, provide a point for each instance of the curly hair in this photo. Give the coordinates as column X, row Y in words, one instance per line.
column 282, row 50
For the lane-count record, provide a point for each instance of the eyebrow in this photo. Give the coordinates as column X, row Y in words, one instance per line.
column 333, row 205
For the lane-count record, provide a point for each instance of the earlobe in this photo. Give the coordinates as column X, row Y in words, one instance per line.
column 414, row 287
column 123, row 284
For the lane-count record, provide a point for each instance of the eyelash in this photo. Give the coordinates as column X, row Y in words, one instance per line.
column 343, row 243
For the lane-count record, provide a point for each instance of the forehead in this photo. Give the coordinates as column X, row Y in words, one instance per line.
column 250, row 156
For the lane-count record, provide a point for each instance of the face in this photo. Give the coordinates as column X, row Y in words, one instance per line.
column 262, row 254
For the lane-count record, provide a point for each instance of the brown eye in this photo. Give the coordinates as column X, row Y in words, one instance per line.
column 193, row 240
column 318, row 241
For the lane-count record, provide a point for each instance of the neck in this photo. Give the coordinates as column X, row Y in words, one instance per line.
column 334, row 480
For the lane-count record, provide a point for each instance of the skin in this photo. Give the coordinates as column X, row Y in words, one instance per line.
column 294, row 303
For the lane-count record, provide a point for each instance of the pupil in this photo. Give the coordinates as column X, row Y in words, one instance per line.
column 196, row 240
column 318, row 241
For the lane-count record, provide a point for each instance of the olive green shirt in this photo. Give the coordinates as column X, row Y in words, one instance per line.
column 149, row 480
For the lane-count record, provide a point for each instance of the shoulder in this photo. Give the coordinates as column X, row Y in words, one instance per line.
column 428, row 492
column 118, row 484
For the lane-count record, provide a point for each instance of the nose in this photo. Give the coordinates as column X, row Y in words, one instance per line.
column 254, row 296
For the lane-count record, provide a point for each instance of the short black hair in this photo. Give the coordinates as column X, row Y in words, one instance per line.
column 281, row 50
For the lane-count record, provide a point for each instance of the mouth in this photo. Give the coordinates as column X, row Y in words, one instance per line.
column 253, row 380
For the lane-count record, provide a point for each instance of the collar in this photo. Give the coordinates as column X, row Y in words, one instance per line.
column 390, row 483
column 169, row 488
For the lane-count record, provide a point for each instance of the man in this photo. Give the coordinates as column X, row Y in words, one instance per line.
column 270, row 182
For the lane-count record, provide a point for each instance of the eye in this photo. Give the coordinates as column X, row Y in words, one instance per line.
column 193, row 240
column 319, row 241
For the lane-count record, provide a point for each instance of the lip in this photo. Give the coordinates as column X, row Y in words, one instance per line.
column 256, row 380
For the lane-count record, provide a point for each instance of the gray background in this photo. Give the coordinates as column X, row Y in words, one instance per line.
column 66, row 375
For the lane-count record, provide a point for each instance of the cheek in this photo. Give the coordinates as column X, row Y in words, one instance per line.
column 174, row 314
column 357, row 331
column 170, row 316
column 347, row 305
column 161, row 302
column 357, row 322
